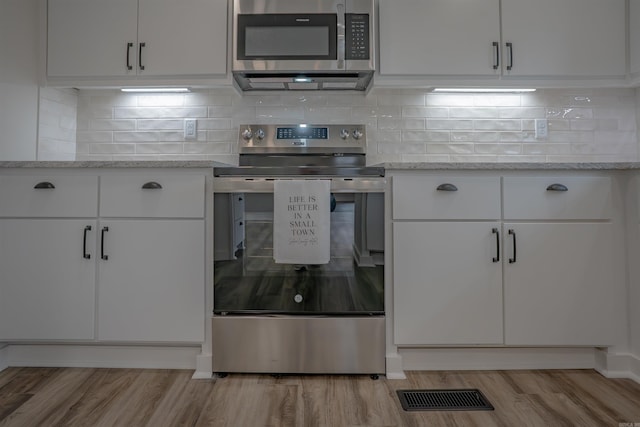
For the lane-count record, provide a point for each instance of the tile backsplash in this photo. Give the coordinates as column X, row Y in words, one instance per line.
column 402, row 125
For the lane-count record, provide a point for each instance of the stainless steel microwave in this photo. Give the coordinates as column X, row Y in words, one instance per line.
column 303, row 44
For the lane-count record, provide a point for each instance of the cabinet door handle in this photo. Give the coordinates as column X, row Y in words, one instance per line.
column 140, row 55
column 44, row 185
column 447, row 187
column 510, row 49
column 129, row 46
column 513, row 236
column 102, row 254
column 85, row 255
column 497, row 233
column 496, row 55
column 557, row 187
column 152, row 185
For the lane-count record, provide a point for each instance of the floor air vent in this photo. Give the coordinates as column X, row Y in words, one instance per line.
column 444, row 400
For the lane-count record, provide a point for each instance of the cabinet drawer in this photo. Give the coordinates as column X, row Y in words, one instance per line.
column 557, row 198
column 152, row 196
column 446, row 197
column 71, row 196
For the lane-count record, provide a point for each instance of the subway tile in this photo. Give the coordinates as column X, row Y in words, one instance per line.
column 282, row 113
column 458, row 136
column 497, row 125
column 448, row 100
column 499, row 149
column 94, row 136
column 404, row 148
column 449, row 124
column 208, row 148
column 161, row 100
column 359, row 113
column 401, row 100
column 450, row 148
column 425, row 136
column 473, row 158
column 160, row 124
column 431, row 112
column 492, row 100
column 317, row 114
column 112, row 148
column 159, row 112
column 474, row 113
column 158, row 148
column 425, row 158
column 99, row 124
column 521, row 159
column 213, row 124
column 522, row 113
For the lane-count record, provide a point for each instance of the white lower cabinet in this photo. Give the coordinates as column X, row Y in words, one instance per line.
column 555, row 283
column 151, row 276
column 447, row 283
column 559, row 290
column 47, row 289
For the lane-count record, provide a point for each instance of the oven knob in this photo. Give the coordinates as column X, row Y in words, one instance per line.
column 357, row 134
column 247, row 134
column 260, row 134
column 344, row 134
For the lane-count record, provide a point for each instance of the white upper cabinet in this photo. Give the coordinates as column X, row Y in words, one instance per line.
column 523, row 39
column 91, row 37
column 136, row 38
column 439, row 37
column 564, row 37
column 634, row 37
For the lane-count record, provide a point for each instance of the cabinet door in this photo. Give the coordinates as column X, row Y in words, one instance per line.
column 90, row 38
column 634, row 36
column 151, row 288
column 447, row 286
column 183, row 37
column 560, row 291
column 439, row 37
column 565, row 37
column 47, row 290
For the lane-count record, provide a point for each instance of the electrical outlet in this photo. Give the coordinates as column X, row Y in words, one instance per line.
column 190, row 129
column 542, row 128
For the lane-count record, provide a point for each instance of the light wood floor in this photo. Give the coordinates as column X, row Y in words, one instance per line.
column 133, row 397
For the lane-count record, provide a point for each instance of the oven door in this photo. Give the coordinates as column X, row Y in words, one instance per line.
column 247, row 280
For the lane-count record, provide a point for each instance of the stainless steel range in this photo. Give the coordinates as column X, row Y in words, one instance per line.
column 281, row 317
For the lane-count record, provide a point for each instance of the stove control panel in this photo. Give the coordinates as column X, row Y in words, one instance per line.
column 334, row 139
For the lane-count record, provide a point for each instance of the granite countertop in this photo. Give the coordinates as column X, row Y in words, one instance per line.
column 389, row 165
column 511, row 166
column 114, row 164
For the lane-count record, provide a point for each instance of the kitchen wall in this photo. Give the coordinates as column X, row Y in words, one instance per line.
column 18, row 79
column 402, row 125
column 57, row 124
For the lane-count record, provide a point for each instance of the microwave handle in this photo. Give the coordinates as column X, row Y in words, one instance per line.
column 341, row 35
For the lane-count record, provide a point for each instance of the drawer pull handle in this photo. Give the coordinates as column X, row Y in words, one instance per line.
column 557, row 187
column 151, row 186
column 497, row 233
column 85, row 255
column 44, row 185
column 102, row 254
column 513, row 235
column 447, row 187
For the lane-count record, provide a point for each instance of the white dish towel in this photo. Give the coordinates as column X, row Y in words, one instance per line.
column 301, row 221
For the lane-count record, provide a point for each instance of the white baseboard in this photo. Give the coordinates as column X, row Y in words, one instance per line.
column 618, row 365
column 394, row 369
column 204, row 367
column 3, row 356
column 102, row 356
column 498, row 358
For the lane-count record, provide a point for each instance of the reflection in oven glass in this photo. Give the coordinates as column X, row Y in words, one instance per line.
column 351, row 283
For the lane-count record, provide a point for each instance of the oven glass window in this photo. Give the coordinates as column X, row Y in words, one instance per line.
column 248, row 281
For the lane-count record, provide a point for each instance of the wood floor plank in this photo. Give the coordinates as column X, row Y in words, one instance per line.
column 157, row 398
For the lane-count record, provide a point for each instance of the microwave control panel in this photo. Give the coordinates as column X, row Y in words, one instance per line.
column 357, row 36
